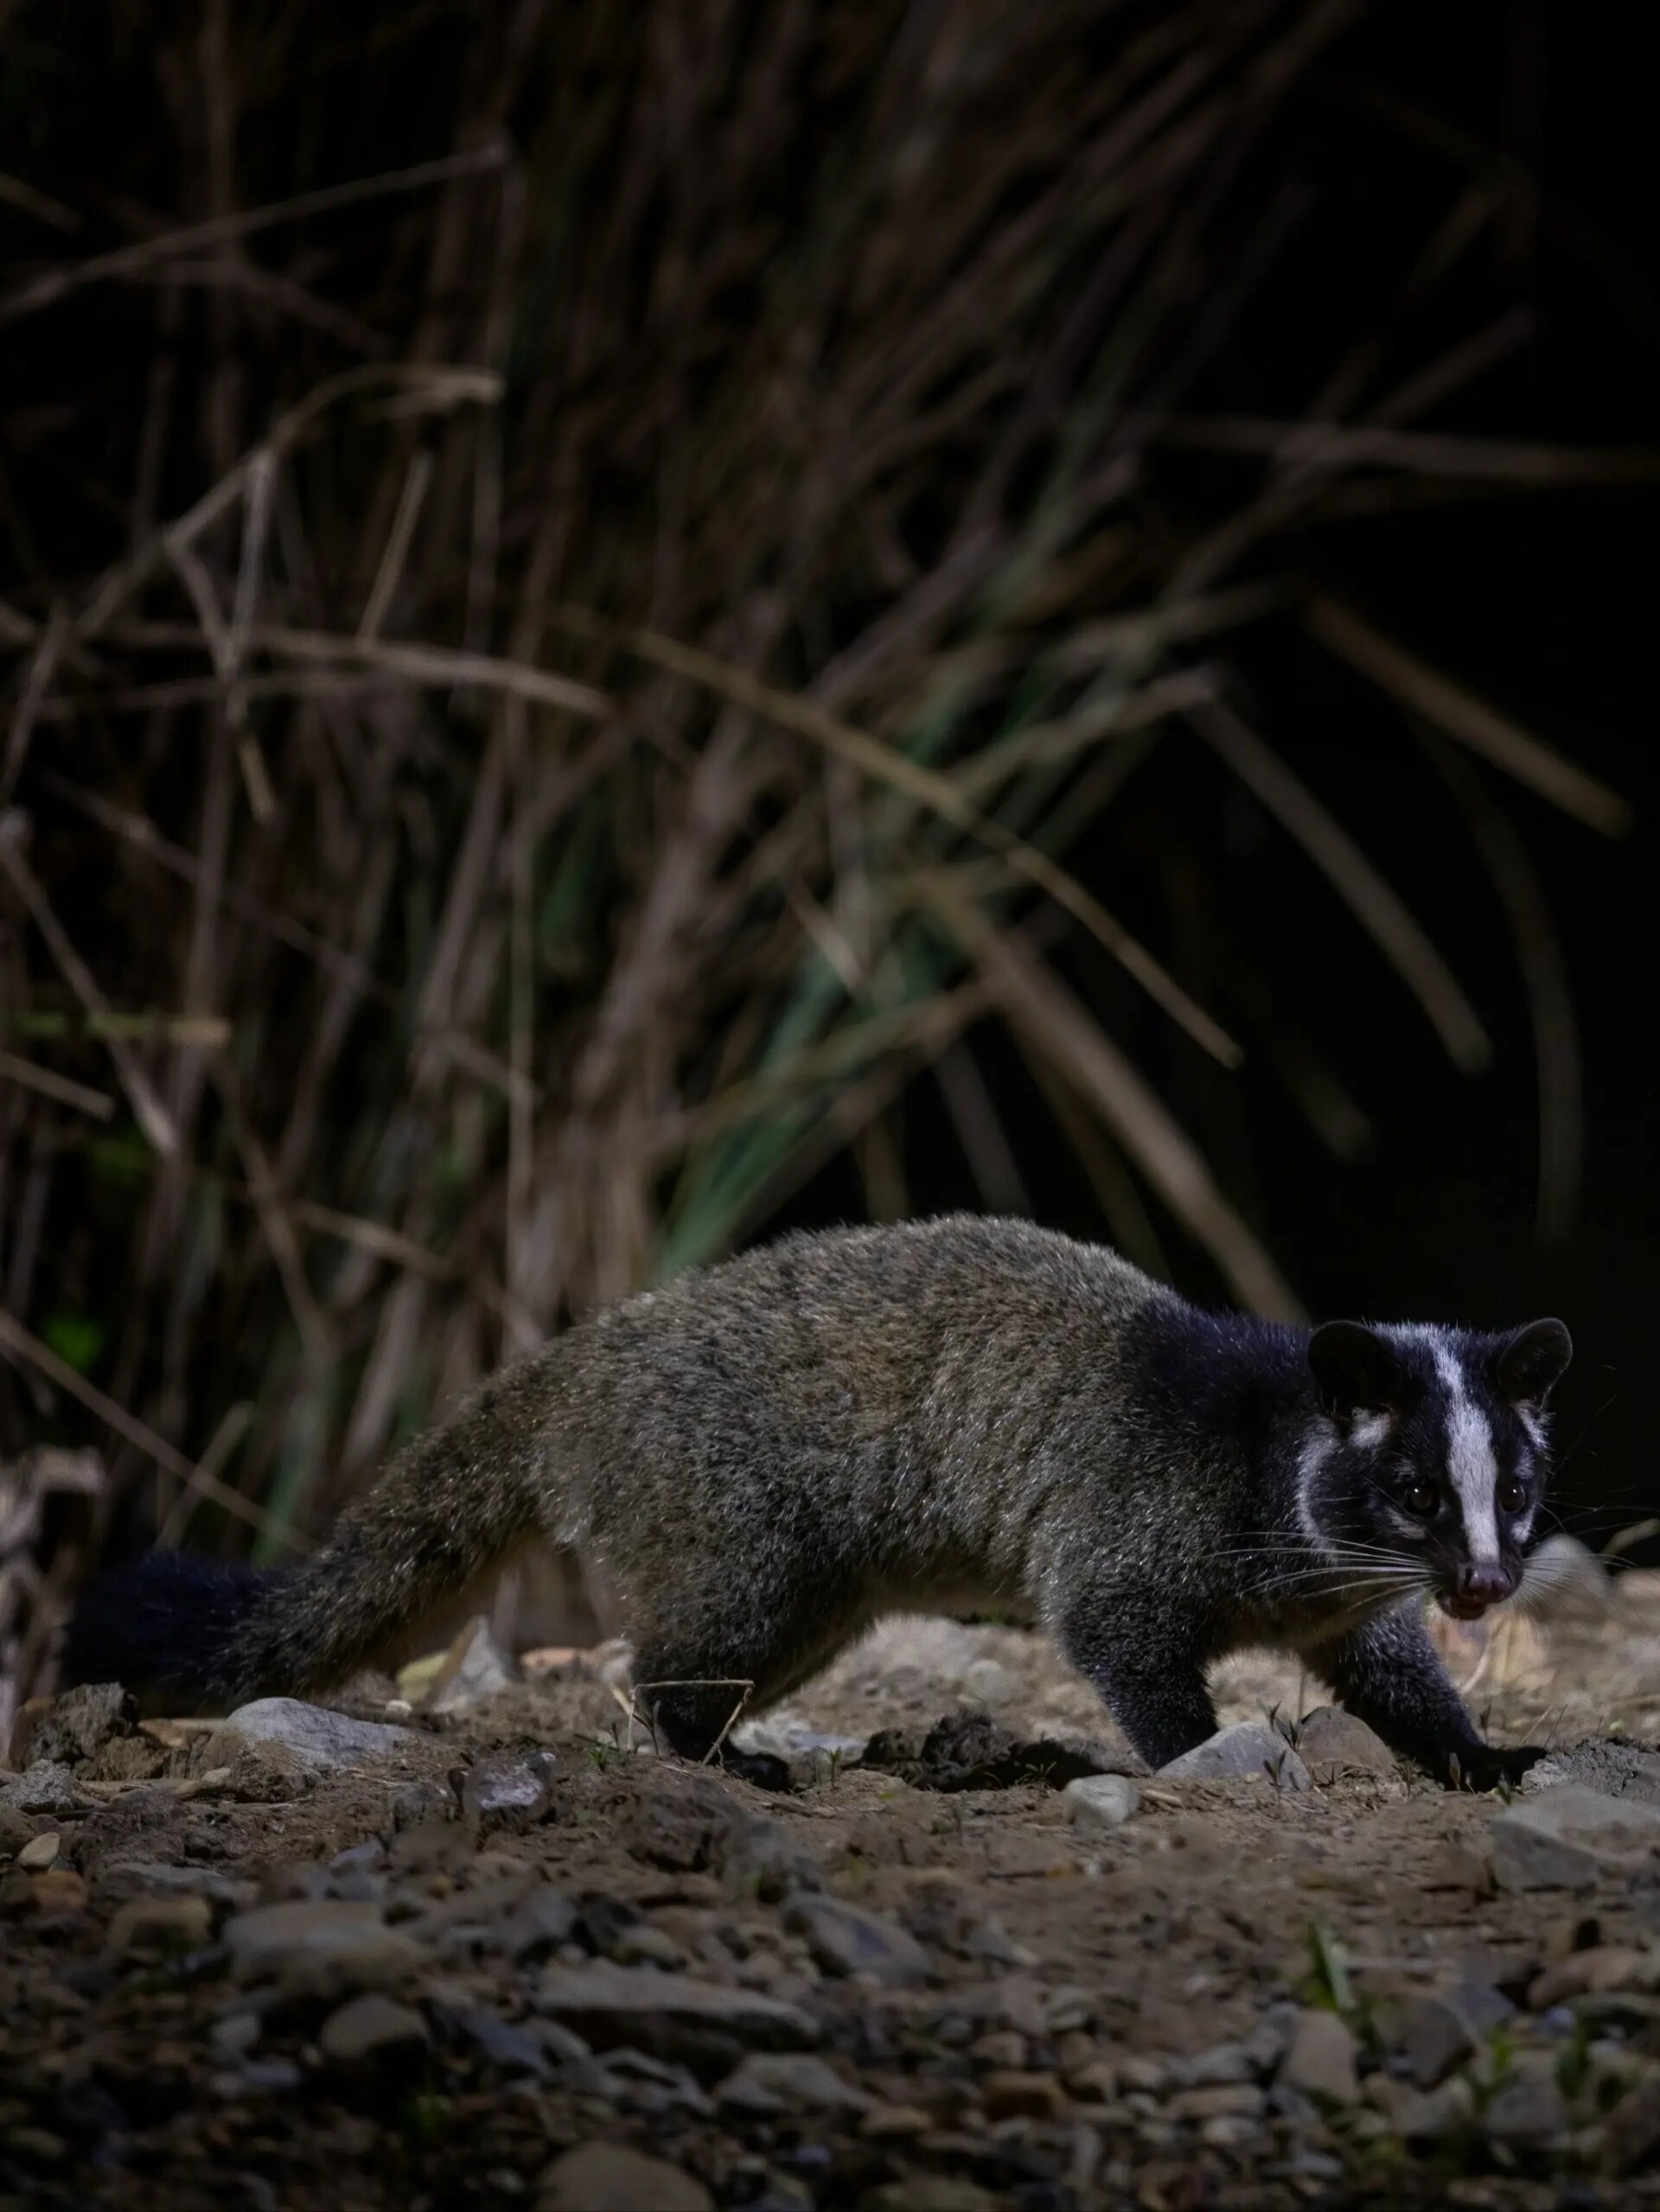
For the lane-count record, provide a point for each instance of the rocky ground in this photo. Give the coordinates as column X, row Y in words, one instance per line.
column 464, row 1939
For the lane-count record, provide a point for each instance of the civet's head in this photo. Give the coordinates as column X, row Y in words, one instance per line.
column 1431, row 1454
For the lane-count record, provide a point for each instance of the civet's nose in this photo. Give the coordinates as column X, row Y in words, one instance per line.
column 1485, row 1582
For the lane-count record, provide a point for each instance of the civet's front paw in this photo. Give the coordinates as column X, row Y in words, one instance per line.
column 1491, row 1766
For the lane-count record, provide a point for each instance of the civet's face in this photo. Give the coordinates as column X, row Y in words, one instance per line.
column 1436, row 1455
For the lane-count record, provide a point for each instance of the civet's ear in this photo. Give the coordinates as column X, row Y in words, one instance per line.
column 1356, row 1369
column 1532, row 1361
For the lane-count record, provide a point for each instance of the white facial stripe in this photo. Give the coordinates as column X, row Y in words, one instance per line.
column 1370, row 1430
column 1314, row 1454
column 1470, row 1458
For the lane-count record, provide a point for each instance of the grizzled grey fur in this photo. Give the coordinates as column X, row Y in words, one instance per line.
column 963, row 1415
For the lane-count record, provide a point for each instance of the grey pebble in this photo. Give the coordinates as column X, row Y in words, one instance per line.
column 1250, row 1749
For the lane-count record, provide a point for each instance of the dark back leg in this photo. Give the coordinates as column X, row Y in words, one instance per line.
column 698, row 1675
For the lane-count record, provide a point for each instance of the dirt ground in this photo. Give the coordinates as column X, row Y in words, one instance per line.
column 602, row 1978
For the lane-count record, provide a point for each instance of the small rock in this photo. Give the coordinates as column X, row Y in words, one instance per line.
column 988, row 1940
column 218, row 1781
column 1332, row 1744
column 988, row 1682
column 896, row 2123
column 1612, row 1768
column 577, row 2066
column 1319, row 2059
column 1528, row 2106
column 1218, row 2100
column 700, row 1826
column 505, row 1791
column 1223, row 2062
column 357, row 1887
column 74, row 1726
column 611, row 2177
column 235, row 2036
column 474, row 1667
column 1568, row 1932
column 1094, row 2083
column 1424, row 2117
column 1314, row 2166
column 647, row 1946
column 1604, row 1967
column 1249, row 1748
column 270, row 2077
column 319, row 1947
column 504, row 2043
column 372, row 2032
column 778, row 2081
column 365, row 1857
column 126, row 1877
column 1265, row 2046
column 56, row 1891
column 39, row 1852
column 1452, row 1866
column 156, row 1925
column 654, row 2087
column 539, row 1925
column 1099, row 1801
column 1433, row 2035
column 326, row 1741
column 1003, row 2048
column 419, row 1804
column 46, row 1787
column 1632, row 2134
column 787, row 1735
column 1074, row 2052
column 845, row 1940
column 929, row 2193
column 1484, row 2006
column 468, row 1918
column 1571, row 1837
column 130, row 1758
column 1228, row 2130
column 1008, row 2094
column 1068, row 2009
column 1612, row 2070
column 612, row 2006
column 602, row 1922
column 1018, row 2002
column 15, row 1829
column 265, row 1774
column 37, row 2145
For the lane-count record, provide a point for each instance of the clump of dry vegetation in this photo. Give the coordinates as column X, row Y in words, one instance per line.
column 576, row 582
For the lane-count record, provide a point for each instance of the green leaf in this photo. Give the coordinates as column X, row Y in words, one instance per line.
column 77, row 1338
column 1329, row 1975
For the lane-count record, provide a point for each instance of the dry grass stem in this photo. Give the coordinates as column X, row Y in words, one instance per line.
column 564, row 687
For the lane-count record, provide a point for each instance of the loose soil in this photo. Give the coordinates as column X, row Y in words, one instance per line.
column 1057, row 2048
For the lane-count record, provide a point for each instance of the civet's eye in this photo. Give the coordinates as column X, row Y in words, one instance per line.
column 1420, row 1497
column 1512, row 1496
